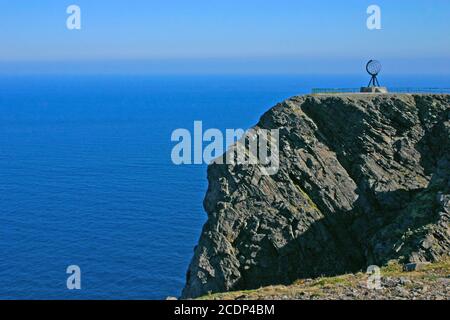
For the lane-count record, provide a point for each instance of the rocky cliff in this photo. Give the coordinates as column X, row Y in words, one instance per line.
column 363, row 179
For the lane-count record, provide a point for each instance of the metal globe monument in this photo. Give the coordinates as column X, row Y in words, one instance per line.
column 373, row 67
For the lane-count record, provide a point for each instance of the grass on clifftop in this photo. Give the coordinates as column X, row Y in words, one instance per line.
column 340, row 286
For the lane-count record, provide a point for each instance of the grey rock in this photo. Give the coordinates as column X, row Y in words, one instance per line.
column 171, row 298
column 363, row 179
column 404, row 281
column 414, row 266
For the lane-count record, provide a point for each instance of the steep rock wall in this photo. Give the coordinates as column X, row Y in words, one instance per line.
column 363, row 179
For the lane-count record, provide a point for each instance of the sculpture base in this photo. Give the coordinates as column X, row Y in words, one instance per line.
column 374, row 90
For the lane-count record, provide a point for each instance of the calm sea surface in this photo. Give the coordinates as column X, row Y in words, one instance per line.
column 86, row 176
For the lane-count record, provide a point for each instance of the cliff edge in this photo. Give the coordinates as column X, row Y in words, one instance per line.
column 364, row 179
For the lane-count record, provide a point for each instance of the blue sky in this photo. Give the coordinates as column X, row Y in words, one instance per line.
column 253, row 36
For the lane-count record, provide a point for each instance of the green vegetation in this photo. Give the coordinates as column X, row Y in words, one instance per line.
column 322, row 287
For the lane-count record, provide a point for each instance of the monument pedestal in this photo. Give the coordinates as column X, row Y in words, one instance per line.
column 374, row 90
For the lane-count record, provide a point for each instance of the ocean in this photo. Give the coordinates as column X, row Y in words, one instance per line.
column 86, row 176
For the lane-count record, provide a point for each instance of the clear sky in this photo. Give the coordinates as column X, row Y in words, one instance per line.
column 211, row 36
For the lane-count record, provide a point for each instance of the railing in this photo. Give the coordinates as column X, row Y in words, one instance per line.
column 335, row 90
column 420, row 90
column 391, row 90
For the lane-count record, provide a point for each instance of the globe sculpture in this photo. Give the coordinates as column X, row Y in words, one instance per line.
column 373, row 67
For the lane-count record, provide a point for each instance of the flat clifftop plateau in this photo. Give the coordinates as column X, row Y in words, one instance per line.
column 362, row 180
column 430, row 282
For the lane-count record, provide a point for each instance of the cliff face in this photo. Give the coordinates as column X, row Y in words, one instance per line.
column 363, row 179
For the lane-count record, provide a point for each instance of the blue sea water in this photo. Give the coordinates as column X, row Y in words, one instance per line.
column 86, row 176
